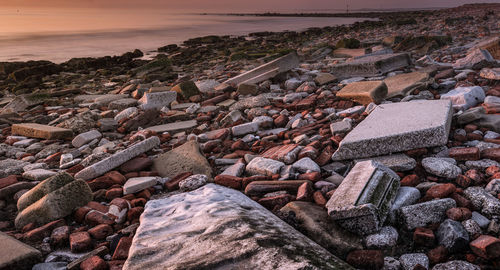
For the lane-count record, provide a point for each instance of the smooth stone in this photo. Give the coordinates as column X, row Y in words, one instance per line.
column 85, row 138
column 306, row 165
column 137, row 184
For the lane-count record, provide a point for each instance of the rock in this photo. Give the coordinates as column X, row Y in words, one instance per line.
column 41, row 131
column 464, row 98
column 364, row 92
column 391, row 264
column 489, row 121
column 244, row 129
column 481, row 220
column 441, row 167
column 39, row 191
column 396, row 162
column 285, row 153
column 266, row 71
column 363, row 199
column 56, row 204
column 268, row 243
column 340, row 127
column 12, row 167
column 260, row 188
column 193, row 182
column 315, row 223
column 186, row 89
column 366, row 259
column 325, row 78
column 490, row 73
column 38, row 174
column 423, row 214
column 405, row 196
column 126, row 113
column 75, row 264
column 134, row 185
column 456, row 265
column 305, row 165
column 50, row 266
column 452, row 235
column 122, row 104
column 481, row 199
column 476, row 59
column 386, row 238
column 248, row 89
column 264, row 166
column 410, row 261
column 185, row 158
column 117, row 159
column 398, row 127
column 157, row 100
column 403, row 84
column 174, row 127
column 486, row 246
column 85, row 138
column 371, row 66
column 17, row 255
column 251, row 102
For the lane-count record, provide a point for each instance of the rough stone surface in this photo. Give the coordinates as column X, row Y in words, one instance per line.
column 481, row 199
column 398, row 127
column 456, row 265
column 423, row 214
column 409, row 261
column 117, row 159
column 386, row 238
column 185, row 158
column 452, row 235
column 17, row 255
column 363, row 199
column 216, row 227
column 193, row 182
column 41, row 131
column 441, row 167
column 364, row 92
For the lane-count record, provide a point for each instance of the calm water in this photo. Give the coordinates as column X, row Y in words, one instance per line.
column 58, row 35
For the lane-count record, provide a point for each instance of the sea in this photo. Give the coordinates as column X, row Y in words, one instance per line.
column 58, row 35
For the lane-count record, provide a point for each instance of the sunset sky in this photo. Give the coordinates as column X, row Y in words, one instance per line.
column 238, row 5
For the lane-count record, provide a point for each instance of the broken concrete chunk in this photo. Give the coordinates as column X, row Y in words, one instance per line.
column 264, row 166
column 371, row 66
column 406, row 83
column 362, row 201
column 464, row 98
column 117, row 159
column 16, row 255
column 266, row 71
column 398, row 127
column 157, row 100
column 233, row 232
column 364, row 92
column 41, row 131
column 185, row 158
column 476, row 59
column 137, row 184
column 396, row 162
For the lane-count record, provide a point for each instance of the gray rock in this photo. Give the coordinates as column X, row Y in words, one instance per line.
column 452, row 235
column 386, row 238
column 481, row 220
column 481, row 199
column 405, row 196
column 441, row 167
column 482, row 164
column 472, row 228
column 117, row 159
column 391, row 264
column 11, row 166
column 306, row 165
column 396, row 162
column 126, row 113
column 236, row 169
column 493, row 187
column 423, row 214
column 50, row 266
column 264, row 166
column 341, row 127
column 464, row 98
column 456, row 265
column 193, row 182
column 363, row 199
column 489, row 121
column 122, row 104
column 398, row 127
column 409, row 261
column 252, row 102
column 471, row 115
column 244, row 129
column 216, row 227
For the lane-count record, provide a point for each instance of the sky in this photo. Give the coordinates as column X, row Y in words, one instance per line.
column 239, row 5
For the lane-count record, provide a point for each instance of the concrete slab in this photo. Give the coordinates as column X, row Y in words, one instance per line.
column 404, row 84
column 398, row 127
column 266, row 71
column 371, row 66
column 174, row 127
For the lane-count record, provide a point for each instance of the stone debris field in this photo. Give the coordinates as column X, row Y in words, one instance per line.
column 370, row 146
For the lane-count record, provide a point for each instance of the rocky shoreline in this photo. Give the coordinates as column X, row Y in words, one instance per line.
column 370, row 146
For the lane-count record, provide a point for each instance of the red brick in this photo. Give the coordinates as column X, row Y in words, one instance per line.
column 114, row 193
column 312, row 176
column 366, row 259
column 319, row 199
column 173, row 184
column 304, row 193
column 80, row 241
column 475, row 176
column 276, row 201
column 101, row 231
column 44, row 231
column 136, row 164
column 121, row 251
column 229, row 181
column 492, row 170
column 7, row 181
column 94, row 263
column 116, row 264
column 492, row 153
column 463, row 181
column 486, row 246
column 134, row 213
column 410, row 180
column 59, row 236
column 459, row 213
column 116, row 177
column 437, row 255
column 94, row 218
column 80, row 213
column 102, row 182
column 441, row 191
column 138, row 202
column 279, row 152
column 325, row 155
column 424, row 237
column 468, row 153
column 281, row 121
column 461, row 200
column 417, row 152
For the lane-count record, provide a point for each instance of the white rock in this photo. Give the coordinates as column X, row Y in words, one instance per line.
column 137, row 184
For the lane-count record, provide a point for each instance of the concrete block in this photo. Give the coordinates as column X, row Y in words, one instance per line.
column 41, row 131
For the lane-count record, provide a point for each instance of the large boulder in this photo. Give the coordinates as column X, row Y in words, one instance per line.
column 185, row 158
column 57, row 203
column 215, row 227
